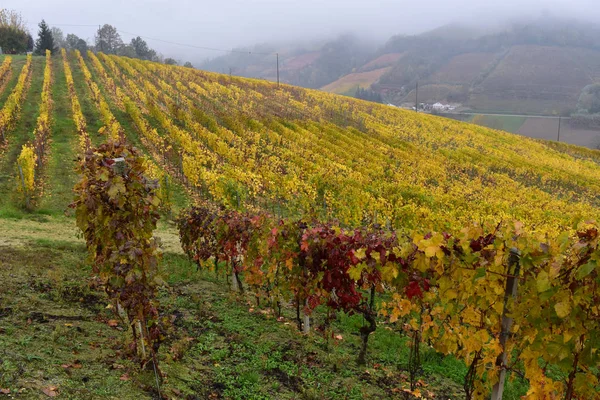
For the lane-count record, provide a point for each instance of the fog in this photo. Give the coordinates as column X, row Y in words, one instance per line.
column 235, row 23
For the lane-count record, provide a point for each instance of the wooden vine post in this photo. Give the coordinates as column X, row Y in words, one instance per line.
column 511, row 291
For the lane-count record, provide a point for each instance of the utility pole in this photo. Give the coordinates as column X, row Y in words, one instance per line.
column 101, row 46
column 559, row 117
column 417, row 97
column 277, row 69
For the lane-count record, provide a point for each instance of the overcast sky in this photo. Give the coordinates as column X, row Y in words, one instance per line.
column 231, row 23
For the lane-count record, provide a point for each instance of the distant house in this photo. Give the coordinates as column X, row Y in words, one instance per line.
column 438, row 107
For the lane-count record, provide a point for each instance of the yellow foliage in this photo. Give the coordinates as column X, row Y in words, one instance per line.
column 26, row 169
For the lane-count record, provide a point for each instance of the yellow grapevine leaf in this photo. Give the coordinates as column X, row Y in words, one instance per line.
column 562, row 309
column 543, row 282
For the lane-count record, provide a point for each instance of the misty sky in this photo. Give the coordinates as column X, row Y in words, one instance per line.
column 231, row 23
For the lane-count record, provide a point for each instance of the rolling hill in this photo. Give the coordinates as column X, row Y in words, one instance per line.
column 249, row 146
column 539, row 66
column 248, row 143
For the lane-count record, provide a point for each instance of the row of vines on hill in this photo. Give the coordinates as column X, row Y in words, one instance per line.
column 33, row 155
column 252, row 146
column 5, row 72
column 78, row 117
column 449, row 290
column 11, row 110
column 245, row 144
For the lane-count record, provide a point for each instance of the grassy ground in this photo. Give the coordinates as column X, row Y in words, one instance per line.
column 55, row 335
column 501, row 122
column 59, row 174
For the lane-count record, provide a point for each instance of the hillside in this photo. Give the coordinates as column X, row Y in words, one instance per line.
column 248, row 143
column 537, row 66
column 251, row 146
column 310, row 65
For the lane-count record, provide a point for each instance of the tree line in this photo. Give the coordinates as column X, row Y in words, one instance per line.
column 15, row 38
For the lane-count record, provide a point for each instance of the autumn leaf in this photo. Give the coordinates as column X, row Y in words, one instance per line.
column 50, row 391
column 562, row 309
column 543, row 282
column 586, row 269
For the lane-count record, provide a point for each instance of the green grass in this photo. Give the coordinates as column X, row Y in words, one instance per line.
column 59, row 174
column 501, row 122
column 220, row 345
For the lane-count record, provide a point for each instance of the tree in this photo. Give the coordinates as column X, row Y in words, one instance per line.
column 589, row 100
column 12, row 19
column 108, row 39
column 127, row 50
column 14, row 37
column 74, row 42
column 368, row 94
column 142, row 50
column 171, row 61
column 188, row 64
column 45, row 40
column 30, row 42
column 59, row 37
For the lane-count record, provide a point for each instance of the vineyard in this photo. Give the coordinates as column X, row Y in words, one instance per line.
column 380, row 243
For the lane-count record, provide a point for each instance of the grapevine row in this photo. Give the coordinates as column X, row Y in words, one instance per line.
column 345, row 173
column 110, row 122
column 32, row 156
column 448, row 289
column 5, row 72
column 10, row 112
column 78, row 117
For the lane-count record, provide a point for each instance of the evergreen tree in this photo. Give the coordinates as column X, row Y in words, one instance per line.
column 30, row 43
column 45, row 40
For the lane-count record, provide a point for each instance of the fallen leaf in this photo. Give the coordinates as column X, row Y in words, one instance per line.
column 124, row 377
column 4, row 391
column 113, row 323
column 69, row 325
column 50, row 391
column 339, row 337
